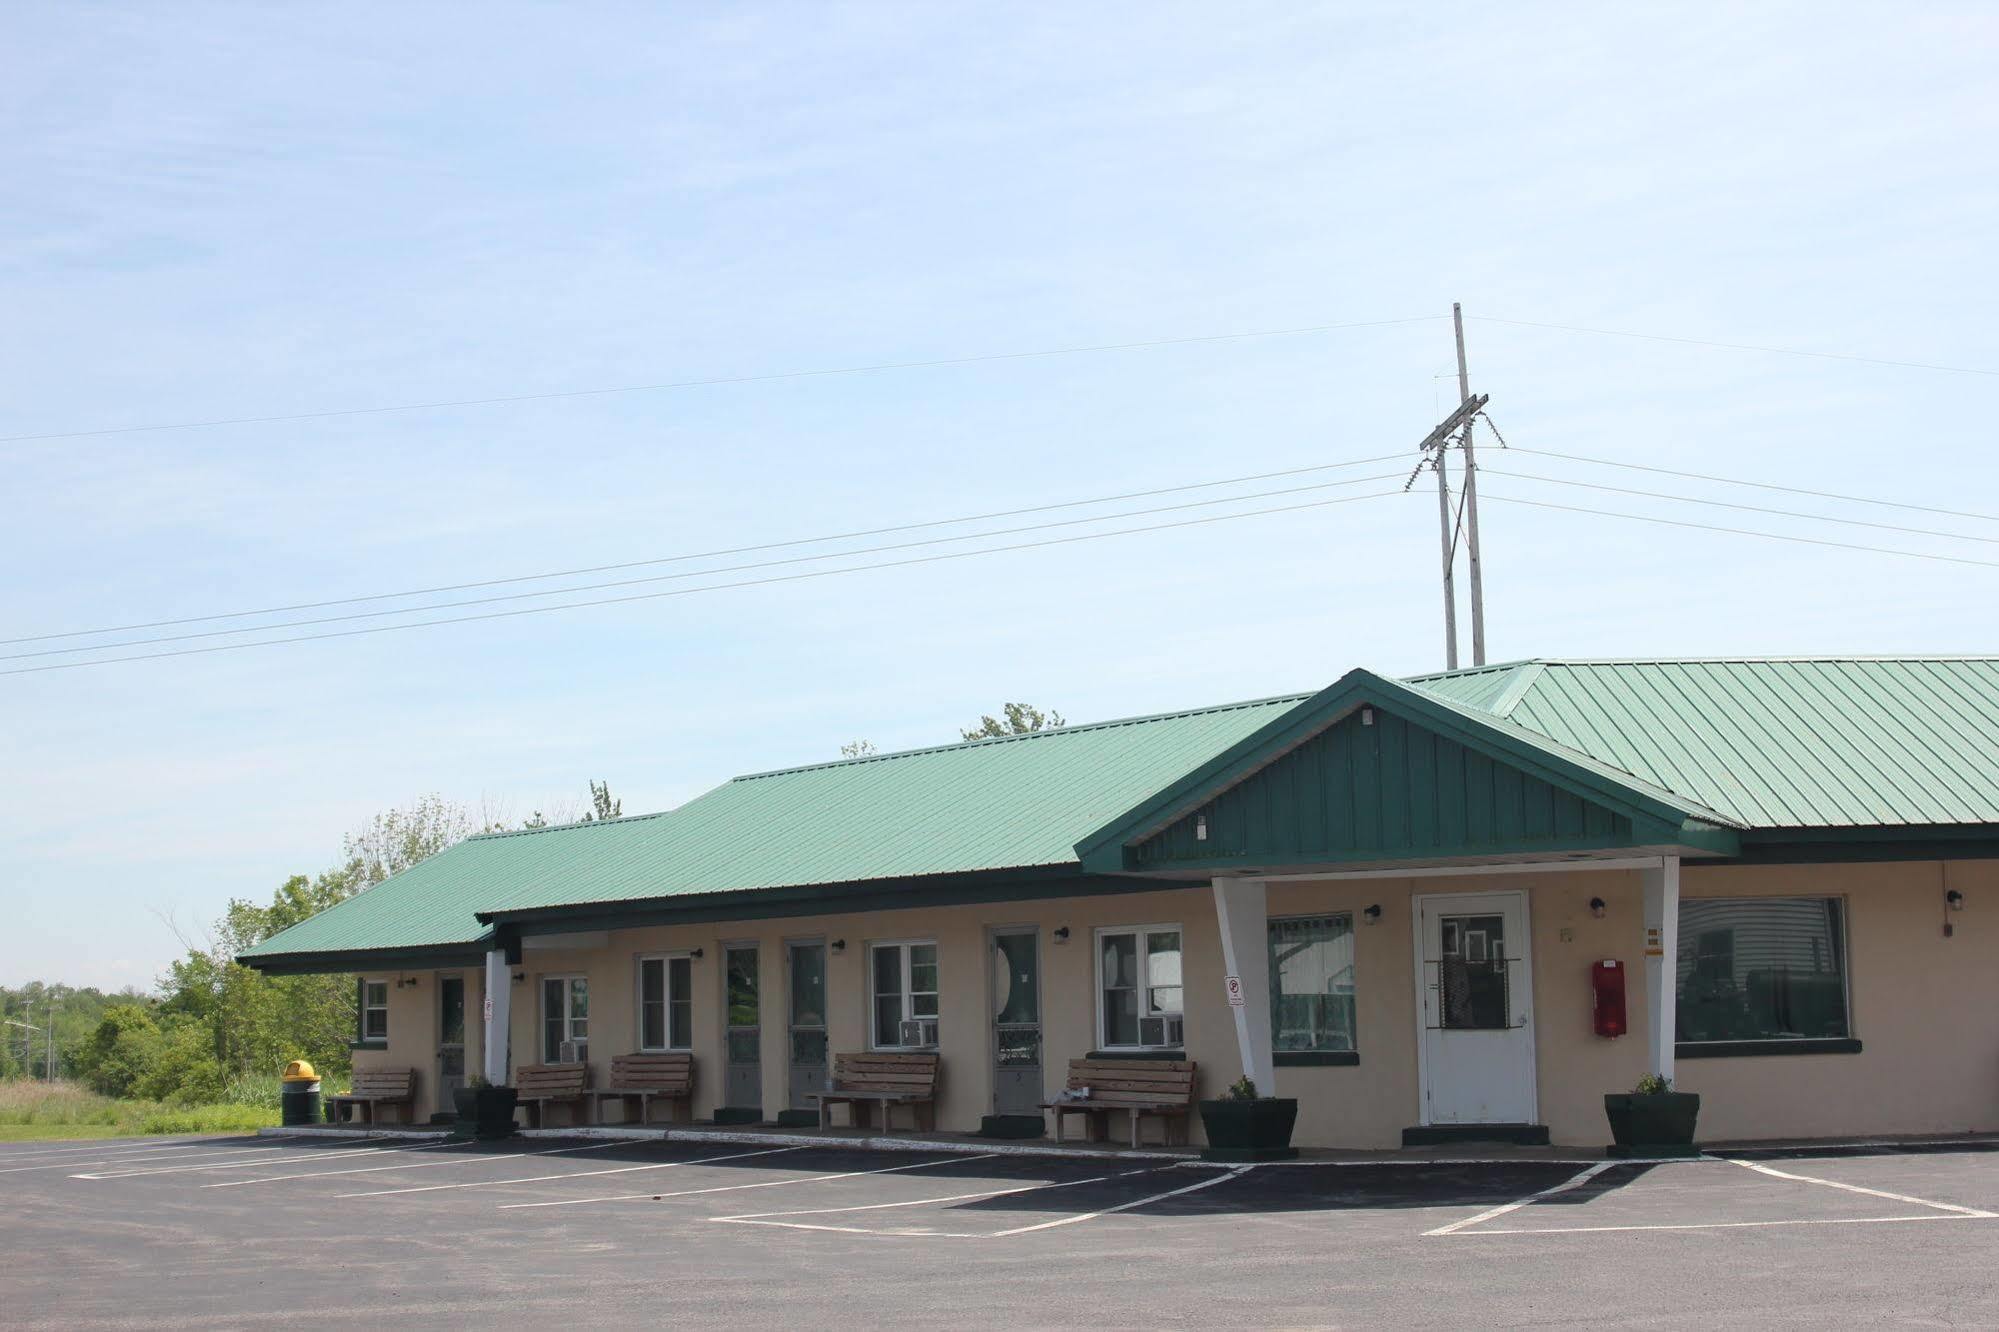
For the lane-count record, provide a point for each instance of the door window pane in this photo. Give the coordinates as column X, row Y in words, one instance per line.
column 1472, row 973
column 1761, row 969
column 551, row 1021
column 1016, row 980
column 808, row 985
column 742, row 982
column 451, row 1020
column 1312, row 983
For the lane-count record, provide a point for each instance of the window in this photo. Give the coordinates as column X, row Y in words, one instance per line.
column 666, row 1003
column 1762, row 969
column 1138, row 988
column 374, row 1010
column 905, row 995
column 1311, row 983
column 565, row 1019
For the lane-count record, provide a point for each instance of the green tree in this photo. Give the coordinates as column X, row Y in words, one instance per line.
column 1015, row 719
column 602, row 805
column 854, row 749
column 122, row 1049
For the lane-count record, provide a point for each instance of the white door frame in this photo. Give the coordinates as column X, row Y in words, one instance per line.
column 1416, row 902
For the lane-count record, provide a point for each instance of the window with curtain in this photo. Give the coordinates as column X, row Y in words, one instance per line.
column 1140, row 996
column 1761, row 969
column 1312, row 983
column 666, row 1003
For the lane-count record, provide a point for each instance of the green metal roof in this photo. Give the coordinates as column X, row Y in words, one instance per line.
column 1779, row 742
column 1017, row 802
column 1801, row 743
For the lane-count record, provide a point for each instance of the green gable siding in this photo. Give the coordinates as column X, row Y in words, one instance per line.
column 1392, row 790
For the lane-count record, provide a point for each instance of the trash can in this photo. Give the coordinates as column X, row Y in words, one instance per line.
column 298, row 1103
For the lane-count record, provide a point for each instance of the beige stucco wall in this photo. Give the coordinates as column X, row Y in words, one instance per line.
column 415, row 1027
column 1926, row 1008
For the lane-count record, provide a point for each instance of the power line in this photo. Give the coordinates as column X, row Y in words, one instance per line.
column 1743, row 531
column 1743, row 508
column 701, row 555
column 695, row 573
column 691, row 591
column 1759, row 485
column 1738, row 346
column 714, row 382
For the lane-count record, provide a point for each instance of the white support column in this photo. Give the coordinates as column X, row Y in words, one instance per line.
column 1242, row 913
column 1662, row 950
column 498, row 1010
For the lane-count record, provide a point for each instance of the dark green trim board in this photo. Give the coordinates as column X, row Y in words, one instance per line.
column 1441, row 1135
column 1136, row 1054
column 367, row 1045
column 1316, row 1059
column 378, row 960
column 1371, row 770
column 1758, row 1049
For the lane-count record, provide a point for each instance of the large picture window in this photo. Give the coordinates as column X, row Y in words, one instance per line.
column 1140, row 996
column 905, row 995
column 565, row 1019
column 666, row 1003
column 1312, row 984
column 374, row 1010
column 1762, row 969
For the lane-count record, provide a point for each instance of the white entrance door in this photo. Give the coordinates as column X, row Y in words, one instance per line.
column 1476, row 1002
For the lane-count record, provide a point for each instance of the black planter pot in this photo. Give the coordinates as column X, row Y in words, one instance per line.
column 1257, row 1130
column 484, row 1112
column 1653, row 1123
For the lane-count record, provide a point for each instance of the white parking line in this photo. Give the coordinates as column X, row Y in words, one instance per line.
column 1494, row 1213
column 1124, row 1207
column 70, row 1163
column 1727, row 1225
column 732, row 1188
column 56, row 1161
column 290, row 1155
column 771, row 1218
column 94, row 1146
column 467, row 1159
column 1761, row 1169
column 571, row 1174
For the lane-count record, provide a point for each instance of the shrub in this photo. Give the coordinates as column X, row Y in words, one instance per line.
column 119, row 1051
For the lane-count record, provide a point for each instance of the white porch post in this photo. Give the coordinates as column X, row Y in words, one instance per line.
column 498, row 1011
column 1242, row 913
column 1662, row 950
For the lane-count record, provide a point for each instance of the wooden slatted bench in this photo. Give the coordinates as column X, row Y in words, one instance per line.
column 538, row 1086
column 1161, row 1088
column 884, row 1079
column 637, row 1080
column 374, row 1088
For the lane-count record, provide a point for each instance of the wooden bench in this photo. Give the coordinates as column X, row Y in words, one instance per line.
column 639, row 1079
column 538, row 1086
column 1162, row 1088
column 373, row 1089
column 884, row 1079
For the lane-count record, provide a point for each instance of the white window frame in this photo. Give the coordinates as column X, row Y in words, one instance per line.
column 1143, row 960
column 568, row 1018
column 906, row 993
column 667, row 999
column 368, row 1037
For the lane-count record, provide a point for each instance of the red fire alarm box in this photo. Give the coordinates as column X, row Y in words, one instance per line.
column 1606, row 983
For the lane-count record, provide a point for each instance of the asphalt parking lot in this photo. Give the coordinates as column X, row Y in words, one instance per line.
column 194, row 1232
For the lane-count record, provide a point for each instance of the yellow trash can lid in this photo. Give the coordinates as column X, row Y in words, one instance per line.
column 299, row 1071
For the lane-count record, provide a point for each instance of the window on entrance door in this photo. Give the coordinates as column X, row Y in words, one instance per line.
column 565, row 1019
column 666, row 1003
column 1472, row 978
column 1139, row 991
column 905, row 996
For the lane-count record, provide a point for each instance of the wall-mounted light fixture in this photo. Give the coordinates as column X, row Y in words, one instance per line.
column 1061, row 934
column 520, row 976
column 1372, row 915
column 406, row 982
column 694, row 952
column 1954, row 900
column 838, row 945
column 1596, row 907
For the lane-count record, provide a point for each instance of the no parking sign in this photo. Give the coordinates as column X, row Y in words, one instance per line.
column 1235, row 992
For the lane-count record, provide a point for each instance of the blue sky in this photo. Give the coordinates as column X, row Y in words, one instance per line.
column 237, row 211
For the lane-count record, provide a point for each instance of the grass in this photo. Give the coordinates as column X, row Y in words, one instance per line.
column 40, row 1110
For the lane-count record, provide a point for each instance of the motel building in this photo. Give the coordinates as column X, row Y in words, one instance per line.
column 1398, row 901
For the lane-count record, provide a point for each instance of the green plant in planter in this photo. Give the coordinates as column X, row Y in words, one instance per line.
column 478, row 1082
column 1652, row 1084
column 1242, row 1089
column 1652, row 1119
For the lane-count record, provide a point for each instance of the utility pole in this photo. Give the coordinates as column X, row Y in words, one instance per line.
column 1471, row 507
column 1450, row 582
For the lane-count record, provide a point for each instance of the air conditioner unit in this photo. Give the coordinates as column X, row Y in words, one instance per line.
column 917, row 1031
column 573, row 1052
